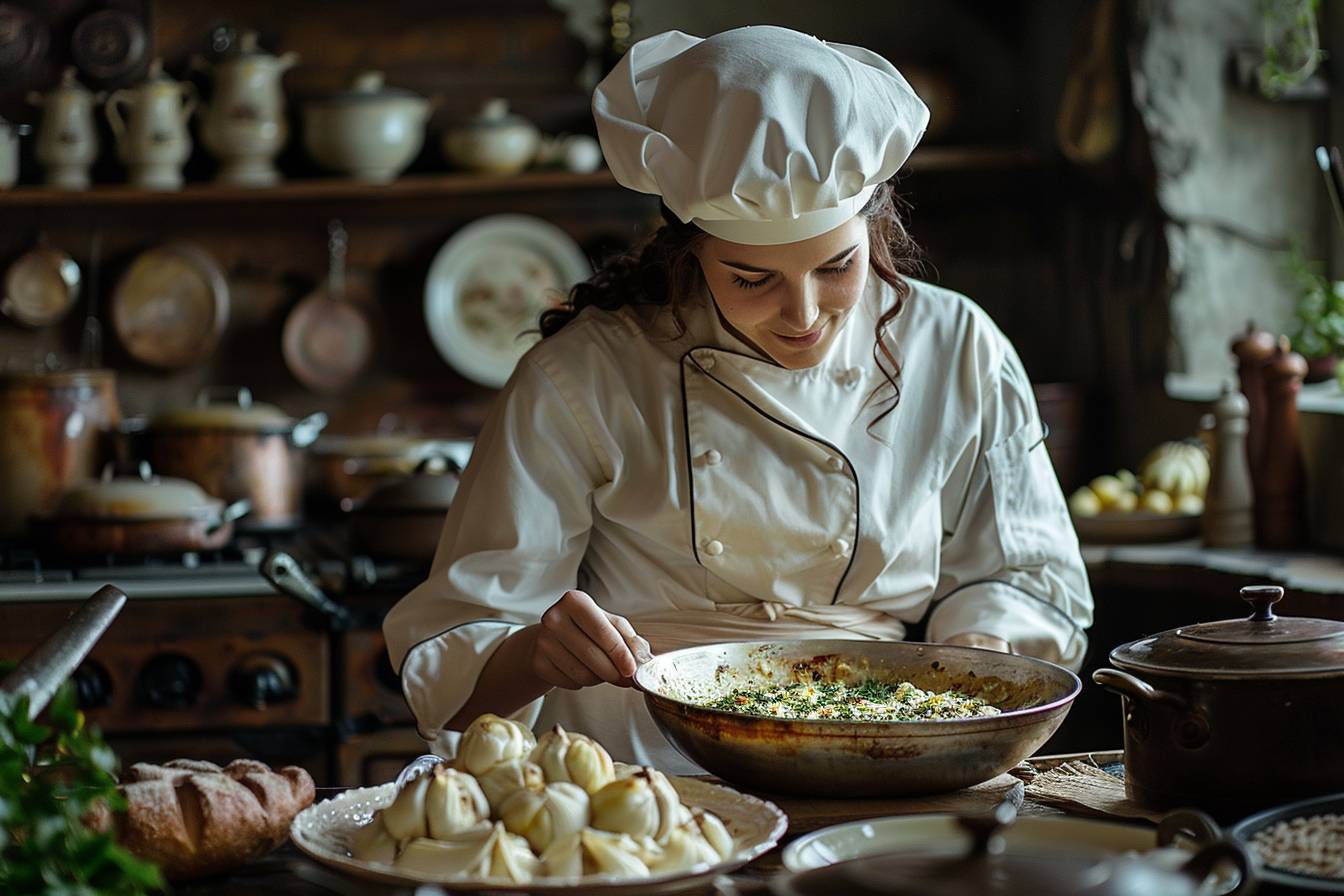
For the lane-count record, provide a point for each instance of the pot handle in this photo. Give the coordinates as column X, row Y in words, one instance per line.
column 241, row 395
column 1189, row 823
column 235, row 511
column 1224, row 849
column 307, row 430
column 1136, row 688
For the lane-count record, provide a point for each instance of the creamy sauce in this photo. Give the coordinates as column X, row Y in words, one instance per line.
column 871, row 701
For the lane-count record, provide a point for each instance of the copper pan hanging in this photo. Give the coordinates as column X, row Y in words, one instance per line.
column 326, row 338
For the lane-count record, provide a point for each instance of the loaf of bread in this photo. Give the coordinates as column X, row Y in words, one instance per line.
column 194, row 819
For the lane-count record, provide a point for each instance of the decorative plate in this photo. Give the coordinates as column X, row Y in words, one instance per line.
column 323, row 832
column 1136, row 527
column 171, row 305
column 487, row 286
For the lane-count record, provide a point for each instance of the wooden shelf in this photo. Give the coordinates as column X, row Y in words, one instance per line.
column 430, row 187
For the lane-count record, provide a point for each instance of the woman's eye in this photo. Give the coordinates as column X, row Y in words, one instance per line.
column 839, row 269
column 744, row 283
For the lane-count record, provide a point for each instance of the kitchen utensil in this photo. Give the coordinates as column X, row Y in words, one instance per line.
column 51, row 437
column 67, row 140
column 284, row 572
column 244, row 125
column 323, row 832
column 846, row 758
column 141, row 514
column 1203, row 703
column 1089, row 120
column 1331, row 187
column 1136, row 527
column 403, row 519
column 370, row 131
column 40, row 286
column 487, row 287
column 238, row 448
column 111, row 45
column 494, row 142
column 171, row 305
column 41, row 673
column 150, row 124
column 349, row 467
column 1283, row 880
column 326, row 339
column 9, row 152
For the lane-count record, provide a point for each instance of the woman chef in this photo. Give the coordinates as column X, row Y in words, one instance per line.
column 756, row 428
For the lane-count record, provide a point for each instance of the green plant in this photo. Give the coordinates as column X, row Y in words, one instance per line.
column 1320, row 309
column 1292, row 49
column 52, row 777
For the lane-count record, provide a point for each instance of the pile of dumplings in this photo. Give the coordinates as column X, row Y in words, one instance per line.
column 511, row 807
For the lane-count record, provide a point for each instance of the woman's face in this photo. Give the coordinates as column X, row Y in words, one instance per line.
column 789, row 301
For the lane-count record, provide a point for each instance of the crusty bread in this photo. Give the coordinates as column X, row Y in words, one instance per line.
column 193, row 818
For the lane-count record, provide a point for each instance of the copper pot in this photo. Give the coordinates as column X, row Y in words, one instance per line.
column 238, row 450
column 51, row 427
column 404, row 520
column 142, row 514
column 349, row 468
column 1207, row 705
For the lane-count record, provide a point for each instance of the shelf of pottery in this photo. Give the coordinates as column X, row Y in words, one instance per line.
column 368, row 133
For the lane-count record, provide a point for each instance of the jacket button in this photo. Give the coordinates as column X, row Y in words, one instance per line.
column 707, row 361
column 835, row 463
column 713, row 547
column 840, row 547
column 712, row 457
column 850, row 377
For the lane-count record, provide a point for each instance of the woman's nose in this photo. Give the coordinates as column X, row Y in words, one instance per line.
column 800, row 311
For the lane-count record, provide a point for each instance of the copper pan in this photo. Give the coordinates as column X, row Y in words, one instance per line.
column 846, row 758
column 326, row 339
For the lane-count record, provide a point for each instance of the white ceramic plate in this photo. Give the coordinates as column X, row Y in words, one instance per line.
column 487, row 286
column 856, row 839
column 323, row 832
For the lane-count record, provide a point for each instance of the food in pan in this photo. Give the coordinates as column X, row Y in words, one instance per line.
column 869, row 701
column 1309, row 845
column 513, row 808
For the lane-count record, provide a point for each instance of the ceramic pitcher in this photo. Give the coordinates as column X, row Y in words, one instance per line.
column 243, row 125
column 67, row 141
column 150, row 124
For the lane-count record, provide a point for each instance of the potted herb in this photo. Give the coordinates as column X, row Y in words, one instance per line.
column 1320, row 317
column 54, row 777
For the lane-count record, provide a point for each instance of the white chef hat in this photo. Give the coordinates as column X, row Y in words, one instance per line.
column 759, row 135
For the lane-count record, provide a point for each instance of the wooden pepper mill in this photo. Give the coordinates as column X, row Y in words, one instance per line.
column 1228, row 521
column 1252, row 349
column 1280, row 481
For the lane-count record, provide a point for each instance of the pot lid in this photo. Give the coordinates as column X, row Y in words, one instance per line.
column 393, row 445
column 139, row 497
column 237, row 412
column 368, row 87
column 988, row 868
column 1261, row 645
column 431, row 488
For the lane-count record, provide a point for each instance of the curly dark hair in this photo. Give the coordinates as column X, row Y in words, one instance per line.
column 663, row 270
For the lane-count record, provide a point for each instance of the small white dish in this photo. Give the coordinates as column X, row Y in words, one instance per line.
column 487, row 287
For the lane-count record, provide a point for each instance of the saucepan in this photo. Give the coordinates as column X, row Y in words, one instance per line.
column 840, row 758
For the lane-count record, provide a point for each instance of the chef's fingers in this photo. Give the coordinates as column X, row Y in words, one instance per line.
column 638, row 646
column 570, row 666
column 550, row 673
column 593, row 621
column 584, row 648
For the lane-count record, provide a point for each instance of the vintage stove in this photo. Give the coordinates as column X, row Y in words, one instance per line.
column 209, row 661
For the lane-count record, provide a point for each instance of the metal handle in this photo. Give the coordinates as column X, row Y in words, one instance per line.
column 42, row 671
column 238, row 394
column 307, row 430
column 283, row 571
column 1137, row 689
column 235, row 511
column 1262, row 598
column 1226, row 849
column 1189, row 823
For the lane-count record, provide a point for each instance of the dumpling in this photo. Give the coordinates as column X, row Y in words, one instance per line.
column 564, row 857
column 607, row 853
column 543, row 816
column 670, row 810
column 577, row 758
column 484, row 851
column 490, row 740
column 715, row 834
column 405, row 818
column 684, row 848
column 627, row 806
column 506, row 779
column 453, row 803
column 372, row 843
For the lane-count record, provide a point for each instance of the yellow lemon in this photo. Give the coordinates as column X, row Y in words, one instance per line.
column 1190, row 504
column 1156, row 500
column 1084, row 502
column 1108, row 489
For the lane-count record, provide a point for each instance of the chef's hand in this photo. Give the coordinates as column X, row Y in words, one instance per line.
column 578, row 644
column 979, row 639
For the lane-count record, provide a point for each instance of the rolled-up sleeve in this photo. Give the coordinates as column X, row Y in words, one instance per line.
column 512, row 542
column 1010, row 563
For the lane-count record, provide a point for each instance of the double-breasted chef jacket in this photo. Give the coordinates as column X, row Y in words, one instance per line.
column 694, row 486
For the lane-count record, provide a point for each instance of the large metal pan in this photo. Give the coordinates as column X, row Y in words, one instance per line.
column 855, row 759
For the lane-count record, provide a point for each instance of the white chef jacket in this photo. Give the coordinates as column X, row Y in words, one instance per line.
column 694, row 486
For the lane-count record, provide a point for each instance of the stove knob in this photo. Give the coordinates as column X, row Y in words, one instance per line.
column 261, row 679
column 169, row 681
column 93, row 686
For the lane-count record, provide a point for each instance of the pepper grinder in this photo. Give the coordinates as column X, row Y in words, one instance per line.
column 1280, row 483
column 1252, row 349
column 1228, row 521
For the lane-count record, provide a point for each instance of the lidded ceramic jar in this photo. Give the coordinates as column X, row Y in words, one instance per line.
column 150, row 124
column 370, row 131
column 244, row 125
column 67, row 141
column 496, row 141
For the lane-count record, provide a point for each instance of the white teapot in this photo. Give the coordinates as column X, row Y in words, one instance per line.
column 150, row 124
column 67, row 141
column 244, row 125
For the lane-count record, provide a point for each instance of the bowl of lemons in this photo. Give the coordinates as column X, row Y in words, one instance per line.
column 1162, row 502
